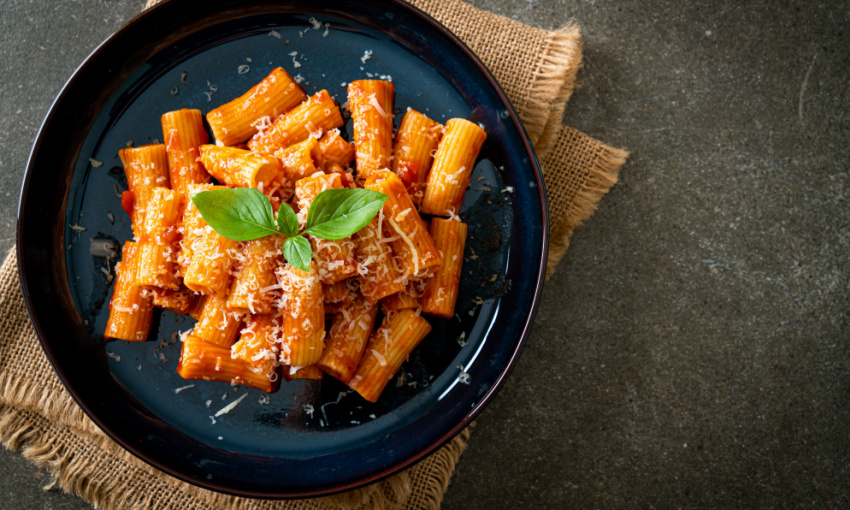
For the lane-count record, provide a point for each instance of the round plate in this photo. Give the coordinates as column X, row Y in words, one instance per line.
column 311, row 437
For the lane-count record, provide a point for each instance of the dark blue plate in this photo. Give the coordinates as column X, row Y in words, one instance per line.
column 309, row 438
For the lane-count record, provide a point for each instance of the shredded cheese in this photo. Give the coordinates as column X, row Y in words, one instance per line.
column 381, row 360
column 409, row 243
column 229, row 407
column 178, row 390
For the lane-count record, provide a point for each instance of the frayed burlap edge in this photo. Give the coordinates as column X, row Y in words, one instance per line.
column 38, row 441
column 603, row 173
column 39, row 418
column 553, row 84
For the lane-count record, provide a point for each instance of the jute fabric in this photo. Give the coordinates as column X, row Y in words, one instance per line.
column 38, row 417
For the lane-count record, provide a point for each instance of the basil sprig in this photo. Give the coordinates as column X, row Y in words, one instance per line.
column 245, row 214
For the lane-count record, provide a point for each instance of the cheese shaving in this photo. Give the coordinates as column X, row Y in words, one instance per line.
column 373, row 101
column 381, row 360
column 409, row 243
column 229, row 407
column 178, row 390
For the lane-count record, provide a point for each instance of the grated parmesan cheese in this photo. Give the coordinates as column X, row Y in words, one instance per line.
column 381, row 359
column 178, row 390
column 229, row 407
column 373, row 101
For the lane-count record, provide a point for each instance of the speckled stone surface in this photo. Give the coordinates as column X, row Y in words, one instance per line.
column 693, row 349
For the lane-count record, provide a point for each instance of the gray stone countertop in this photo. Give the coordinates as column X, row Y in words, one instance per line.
column 693, row 348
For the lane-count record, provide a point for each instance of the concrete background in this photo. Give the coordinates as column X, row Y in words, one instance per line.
column 692, row 349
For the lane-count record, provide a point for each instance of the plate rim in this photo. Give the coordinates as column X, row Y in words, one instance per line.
column 396, row 468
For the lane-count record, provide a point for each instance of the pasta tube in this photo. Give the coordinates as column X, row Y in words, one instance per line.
column 371, row 105
column 378, row 275
column 452, row 169
column 131, row 306
column 297, row 161
column 387, row 349
column 257, row 345
column 332, row 308
column 200, row 360
column 252, row 290
column 241, row 118
column 197, row 306
column 411, row 241
column 192, row 227
column 210, row 255
column 415, row 145
column 440, row 294
column 408, row 298
column 184, row 133
column 212, row 260
column 336, row 259
column 158, row 244
column 303, row 315
column 217, row 324
column 237, row 167
column 180, row 301
column 146, row 168
column 311, row 118
column 310, row 372
column 347, row 338
column 332, row 149
column 336, row 292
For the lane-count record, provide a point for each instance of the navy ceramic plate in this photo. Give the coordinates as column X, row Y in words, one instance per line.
column 309, row 438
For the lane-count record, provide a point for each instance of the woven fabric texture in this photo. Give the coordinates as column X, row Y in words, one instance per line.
column 537, row 70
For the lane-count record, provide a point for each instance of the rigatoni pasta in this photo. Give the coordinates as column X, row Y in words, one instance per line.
column 297, row 161
column 303, row 315
column 311, row 118
column 347, row 338
column 333, row 149
column 377, row 271
column 335, row 259
column 388, row 347
column 371, row 105
column 413, row 151
column 452, row 168
column 407, row 298
column 146, row 168
column 440, row 294
column 243, row 117
column 217, row 323
column 237, row 167
column 253, row 289
column 260, row 318
column 184, row 133
column 258, row 346
column 210, row 362
column 180, row 301
column 131, row 306
column 411, row 241
column 157, row 251
column 308, row 373
column 206, row 256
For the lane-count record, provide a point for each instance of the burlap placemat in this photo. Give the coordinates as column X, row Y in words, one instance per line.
column 537, row 69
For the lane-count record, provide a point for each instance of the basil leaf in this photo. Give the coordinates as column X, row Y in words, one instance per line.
column 298, row 252
column 287, row 221
column 240, row 214
column 339, row 213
